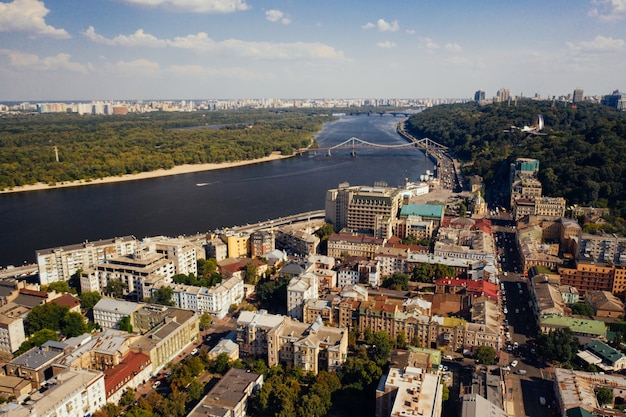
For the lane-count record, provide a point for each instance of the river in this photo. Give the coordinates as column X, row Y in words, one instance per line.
column 203, row 201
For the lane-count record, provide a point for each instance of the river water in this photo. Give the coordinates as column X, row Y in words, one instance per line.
column 203, row 201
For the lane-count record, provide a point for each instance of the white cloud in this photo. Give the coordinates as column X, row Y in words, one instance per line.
column 201, row 71
column 277, row 16
column 599, row 44
column 60, row 62
column 194, row 6
column 382, row 26
column 428, row 44
column 28, row 16
column 459, row 61
column 135, row 67
column 202, row 43
column 410, row 31
column 139, row 38
column 608, row 9
column 453, row 47
column 386, row 45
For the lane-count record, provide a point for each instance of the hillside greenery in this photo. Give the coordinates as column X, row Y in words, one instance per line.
column 92, row 147
column 580, row 156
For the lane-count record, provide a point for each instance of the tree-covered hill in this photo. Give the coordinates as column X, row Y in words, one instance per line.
column 93, row 147
column 581, row 156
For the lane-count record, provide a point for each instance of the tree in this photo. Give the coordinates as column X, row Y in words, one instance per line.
column 604, row 395
column 251, row 275
column 45, row 316
column 205, row 321
column 401, row 340
column 163, row 296
column 486, row 355
column 398, row 282
column 128, row 397
column 109, row 410
column 125, row 324
column 37, row 339
column 88, row 299
column 73, row 324
column 115, row 288
column 582, row 309
column 207, row 267
column 559, row 345
column 382, row 347
column 222, row 363
column 59, row 286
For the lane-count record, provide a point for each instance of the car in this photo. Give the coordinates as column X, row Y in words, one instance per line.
column 447, row 357
column 521, row 292
column 514, row 364
column 156, row 385
column 515, row 345
column 509, row 348
column 194, row 351
column 506, row 311
column 506, row 368
column 542, row 400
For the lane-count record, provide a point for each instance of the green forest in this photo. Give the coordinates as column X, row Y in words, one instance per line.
column 92, row 147
column 581, row 155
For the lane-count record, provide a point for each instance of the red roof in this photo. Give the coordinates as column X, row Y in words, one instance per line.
column 67, row 300
column 482, row 287
column 130, row 366
column 484, row 225
column 34, row 293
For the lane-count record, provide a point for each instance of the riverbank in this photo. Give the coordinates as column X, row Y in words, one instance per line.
column 177, row 170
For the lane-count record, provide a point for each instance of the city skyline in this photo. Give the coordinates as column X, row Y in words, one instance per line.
column 195, row 49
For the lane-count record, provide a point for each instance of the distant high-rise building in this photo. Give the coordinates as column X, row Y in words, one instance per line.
column 616, row 100
column 504, row 94
column 578, row 95
column 479, row 95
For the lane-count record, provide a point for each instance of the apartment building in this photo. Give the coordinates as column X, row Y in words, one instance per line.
column 301, row 242
column 59, row 264
column 12, row 333
column 353, row 244
column 136, row 271
column 108, row 312
column 261, row 243
column 238, row 244
column 300, row 289
column 363, row 208
column 409, row 392
column 310, row 347
column 215, row 301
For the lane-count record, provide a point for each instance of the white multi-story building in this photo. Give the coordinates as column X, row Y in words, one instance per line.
column 76, row 392
column 183, row 254
column 108, row 312
column 136, row 271
column 12, row 329
column 214, row 300
column 59, row 264
column 300, row 289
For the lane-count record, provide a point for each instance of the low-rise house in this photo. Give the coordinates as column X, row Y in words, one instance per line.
column 584, row 329
column 603, row 356
column 605, row 304
column 229, row 397
column 134, row 370
column 108, row 312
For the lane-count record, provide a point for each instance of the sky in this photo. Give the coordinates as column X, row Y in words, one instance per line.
column 220, row 49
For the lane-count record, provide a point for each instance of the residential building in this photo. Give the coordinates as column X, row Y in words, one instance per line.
column 479, row 95
column 578, row 95
column 165, row 341
column 302, row 288
column 59, row 264
column 616, row 100
column 216, row 249
column 135, row 369
column 75, row 392
column 135, row 271
column 12, row 328
column 409, row 392
column 363, row 208
column 591, row 276
column 238, row 244
column 229, row 397
column 310, row 347
column 576, row 389
column 584, row 329
column 215, row 300
column 503, row 95
column 546, row 296
column 353, row 244
column 426, row 212
column 605, row 304
column 301, row 242
column 36, row 364
column 603, row 356
column 108, row 312
column 183, row 254
column 475, row 405
column 261, row 243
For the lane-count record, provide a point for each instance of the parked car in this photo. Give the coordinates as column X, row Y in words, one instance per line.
column 156, row 385
column 514, row 364
column 194, row 351
column 521, row 372
column 542, row 400
column 447, row 357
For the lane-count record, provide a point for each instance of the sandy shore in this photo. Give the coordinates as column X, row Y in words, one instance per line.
column 181, row 169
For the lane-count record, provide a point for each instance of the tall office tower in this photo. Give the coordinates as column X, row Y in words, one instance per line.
column 578, row 95
column 479, row 95
column 504, row 94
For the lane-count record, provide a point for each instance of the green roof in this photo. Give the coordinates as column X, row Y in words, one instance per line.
column 576, row 325
column 604, row 351
column 578, row 412
column 423, row 210
column 435, row 354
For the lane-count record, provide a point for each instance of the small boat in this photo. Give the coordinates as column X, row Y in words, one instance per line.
column 202, row 184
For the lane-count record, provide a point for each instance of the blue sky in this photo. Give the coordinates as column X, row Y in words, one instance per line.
column 198, row 49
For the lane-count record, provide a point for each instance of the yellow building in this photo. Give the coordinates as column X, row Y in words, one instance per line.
column 238, row 245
